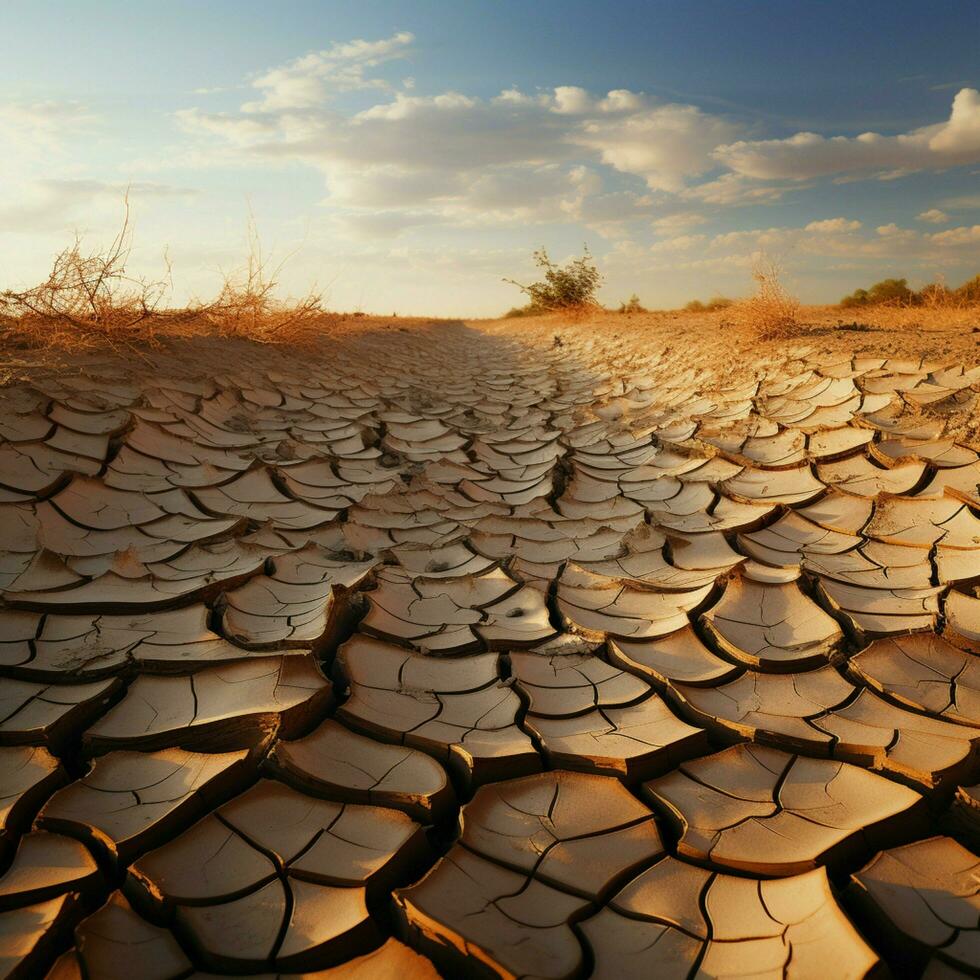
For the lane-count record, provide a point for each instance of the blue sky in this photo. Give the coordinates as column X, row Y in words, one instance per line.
column 406, row 157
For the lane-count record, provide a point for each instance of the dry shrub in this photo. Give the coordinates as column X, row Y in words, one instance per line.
column 939, row 297
column 87, row 299
column 248, row 307
column 772, row 311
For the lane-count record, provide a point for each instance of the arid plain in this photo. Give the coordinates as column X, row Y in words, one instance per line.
column 557, row 646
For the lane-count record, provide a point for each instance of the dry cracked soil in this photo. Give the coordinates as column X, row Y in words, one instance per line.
column 518, row 649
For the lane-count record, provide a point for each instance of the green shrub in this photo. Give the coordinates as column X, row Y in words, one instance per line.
column 563, row 287
column 894, row 292
column 891, row 291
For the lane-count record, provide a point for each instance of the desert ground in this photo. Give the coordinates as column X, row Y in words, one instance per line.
column 557, row 646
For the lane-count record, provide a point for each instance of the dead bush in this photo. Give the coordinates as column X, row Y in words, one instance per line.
column 247, row 305
column 772, row 310
column 87, row 297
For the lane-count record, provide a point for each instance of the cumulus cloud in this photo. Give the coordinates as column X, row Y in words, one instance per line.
column 807, row 155
column 934, row 216
column 450, row 151
column 515, row 155
column 543, row 156
column 666, row 145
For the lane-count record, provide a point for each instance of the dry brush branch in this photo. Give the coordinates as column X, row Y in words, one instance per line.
column 86, row 295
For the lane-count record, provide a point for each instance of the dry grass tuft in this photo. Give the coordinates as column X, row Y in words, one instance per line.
column 772, row 311
column 247, row 305
column 87, row 299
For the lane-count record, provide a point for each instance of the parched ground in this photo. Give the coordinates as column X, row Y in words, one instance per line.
column 608, row 646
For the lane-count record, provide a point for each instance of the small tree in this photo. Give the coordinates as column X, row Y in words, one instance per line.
column 563, row 287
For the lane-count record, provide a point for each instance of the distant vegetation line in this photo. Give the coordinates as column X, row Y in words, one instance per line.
column 574, row 286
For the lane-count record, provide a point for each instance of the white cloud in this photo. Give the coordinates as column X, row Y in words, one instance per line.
column 427, row 150
column 806, row 155
column 310, row 80
column 666, row 145
column 934, row 216
column 410, row 149
column 832, row 226
column 572, row 100
column 966, row 235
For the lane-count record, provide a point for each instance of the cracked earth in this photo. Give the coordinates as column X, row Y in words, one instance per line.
column 490, row 650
